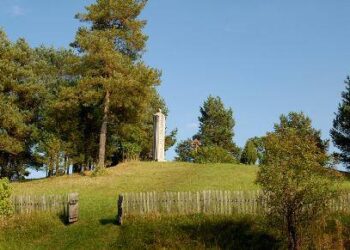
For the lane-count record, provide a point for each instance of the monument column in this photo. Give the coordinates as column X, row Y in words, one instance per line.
column 158, row 136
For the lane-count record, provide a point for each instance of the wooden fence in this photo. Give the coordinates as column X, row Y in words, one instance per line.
column 33, row 203
column 208, row 202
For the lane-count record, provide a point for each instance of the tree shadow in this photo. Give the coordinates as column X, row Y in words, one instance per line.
column 108, row 221
column 196, row 232
column 231, row 234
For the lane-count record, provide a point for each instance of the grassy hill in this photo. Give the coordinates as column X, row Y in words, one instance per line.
column 98, row 197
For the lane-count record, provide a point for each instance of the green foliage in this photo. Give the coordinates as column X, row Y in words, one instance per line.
column 250, row 153
column 22, row 94
column 114, row 79
column 55, row 104
column 130, row 151
column 6, row 207
column 301, row 123
column 214, row 140
column 170, row 139
column 340, row 132
column 185, row 151
column 260, row 148
column 213, row 154
column 295, row 179
column 216, row 125
column 293, row 120
column 188, row 151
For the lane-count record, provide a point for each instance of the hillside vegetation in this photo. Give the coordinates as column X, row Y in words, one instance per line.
column 98, row 196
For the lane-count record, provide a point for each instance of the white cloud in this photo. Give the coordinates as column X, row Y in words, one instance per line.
column 17, row 10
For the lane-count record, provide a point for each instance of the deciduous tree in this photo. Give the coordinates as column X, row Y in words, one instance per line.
column 295, row 179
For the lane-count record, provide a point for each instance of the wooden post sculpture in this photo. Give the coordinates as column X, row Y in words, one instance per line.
column 73, row 207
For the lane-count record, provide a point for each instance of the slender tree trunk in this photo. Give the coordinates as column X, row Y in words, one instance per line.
column 57, row 165
column 103, row 133
column 293, row 239
column 66, row 165
column 50, row 168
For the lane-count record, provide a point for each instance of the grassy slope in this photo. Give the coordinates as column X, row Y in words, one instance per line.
column 98, row 201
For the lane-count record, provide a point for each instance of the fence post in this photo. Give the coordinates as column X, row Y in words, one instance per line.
column 120, row 210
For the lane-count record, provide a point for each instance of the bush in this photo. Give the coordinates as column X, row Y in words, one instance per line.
column 185, row 151
column 6, row 207
column 297, row 184
column 213, row 154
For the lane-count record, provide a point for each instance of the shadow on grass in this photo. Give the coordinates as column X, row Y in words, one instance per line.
column 195, row 232
column 108, row 221
column 64, row 218
column 231, row 235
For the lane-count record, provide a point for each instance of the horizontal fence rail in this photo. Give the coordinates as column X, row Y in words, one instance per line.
column 35, row 203
column 207, row 202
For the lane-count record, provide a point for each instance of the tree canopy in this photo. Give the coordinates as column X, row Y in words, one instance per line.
column 295, row 178
column 340, row 132
column 88, row 106
column 214, row 140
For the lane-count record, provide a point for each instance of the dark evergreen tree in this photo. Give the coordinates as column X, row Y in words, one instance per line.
column 340, row 132
column 214, row 141
column 22, row 95
column 216, row 125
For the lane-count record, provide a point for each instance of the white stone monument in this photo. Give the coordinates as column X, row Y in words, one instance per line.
column 158, row 136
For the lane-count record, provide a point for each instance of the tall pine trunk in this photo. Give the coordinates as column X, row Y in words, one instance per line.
column 103, row 133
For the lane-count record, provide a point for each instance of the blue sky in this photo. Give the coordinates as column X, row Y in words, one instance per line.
column 263, row 58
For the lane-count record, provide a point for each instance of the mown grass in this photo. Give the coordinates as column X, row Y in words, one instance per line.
column 98, row 196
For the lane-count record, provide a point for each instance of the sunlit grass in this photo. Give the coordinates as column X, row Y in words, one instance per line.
column 98, row 197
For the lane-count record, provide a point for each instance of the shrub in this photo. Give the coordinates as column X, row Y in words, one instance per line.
column 6, row 207
column 213, row 154
column 296, row 183
column 185, row 151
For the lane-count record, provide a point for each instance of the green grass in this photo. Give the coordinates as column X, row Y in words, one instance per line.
column 98, row 197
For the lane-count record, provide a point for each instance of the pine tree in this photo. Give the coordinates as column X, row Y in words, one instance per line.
column 114, row 77
column 22, row 95
column 340, row 132
column 60, row 136
column 216, row 125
